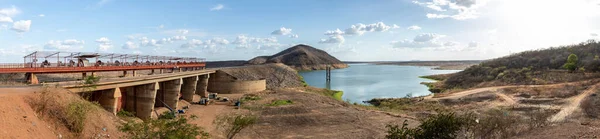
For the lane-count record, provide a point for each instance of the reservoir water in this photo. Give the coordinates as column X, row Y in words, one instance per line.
column 361, row 82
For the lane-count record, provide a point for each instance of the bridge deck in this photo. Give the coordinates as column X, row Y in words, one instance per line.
column 95, row 68
column 103, row 84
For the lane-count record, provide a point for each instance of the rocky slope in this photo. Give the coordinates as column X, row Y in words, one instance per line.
column 301, row 57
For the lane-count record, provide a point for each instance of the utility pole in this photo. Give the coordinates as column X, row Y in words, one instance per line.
column 328, row 74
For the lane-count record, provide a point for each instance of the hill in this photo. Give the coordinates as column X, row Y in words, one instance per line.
column 542, row 66
column 301, row 57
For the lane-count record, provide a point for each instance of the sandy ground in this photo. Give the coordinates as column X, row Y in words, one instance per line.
column 17, row 119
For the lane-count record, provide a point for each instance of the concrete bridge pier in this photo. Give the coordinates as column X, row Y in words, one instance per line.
column 31, row 78
column 189, row 88
column 140, row 99
column 202, row 86
column 169, row 93
column 110, row 100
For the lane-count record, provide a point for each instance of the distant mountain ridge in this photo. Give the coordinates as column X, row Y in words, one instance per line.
column 301, row 57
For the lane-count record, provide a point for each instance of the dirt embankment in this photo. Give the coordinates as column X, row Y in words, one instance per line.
column 36, row 112
column 277, row 75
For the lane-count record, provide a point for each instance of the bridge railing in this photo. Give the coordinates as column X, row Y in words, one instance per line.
column 17, row 68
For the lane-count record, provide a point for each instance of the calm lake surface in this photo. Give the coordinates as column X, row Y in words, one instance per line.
column 361, row 82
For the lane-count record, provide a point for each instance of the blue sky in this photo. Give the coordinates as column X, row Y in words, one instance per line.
column 228, row 29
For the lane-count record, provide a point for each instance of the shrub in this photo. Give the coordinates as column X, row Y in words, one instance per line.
column 233, row 124
column 440, row 126
column 176, row 128
column 76, row 115
column 496, row 123
column 124, row 113
column 590, row 106
column 280, row 102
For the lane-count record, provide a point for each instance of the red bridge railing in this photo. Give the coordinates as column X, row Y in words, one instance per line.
column 21, row 68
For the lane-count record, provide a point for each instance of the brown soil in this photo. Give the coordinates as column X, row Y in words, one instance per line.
column 18, row 120
column 19, row 105
column 562, row 100
column 315, row 116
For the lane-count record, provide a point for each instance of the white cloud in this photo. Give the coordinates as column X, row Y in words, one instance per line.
column 5, row 19
column 437, row 15
column 183, row 31
column 63, row 45
column 161, row 26
column 294, row 36
column 333, row 39
column 6, row 14
column 216, row 41
column 217, row 7
column 104, row 47
column 130, row 45
column 334, row 32
column 192, row 44
column 424, row 37
column 21, row 26
column 414, row 28
column 458, row 9
column 178, row 38
column 244, row 42
column 593, row 34
column 395, row 26
column 104, row 44
column 144, row 41
column 10, row 11
column 282, row 31
column 360, row 29
column 41, row 15
column 103, row 40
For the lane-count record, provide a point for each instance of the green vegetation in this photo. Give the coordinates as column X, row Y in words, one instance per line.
column 406, row 104
column 301, row 79
column 164, row 128
column 440, row 126
column 233, row 124
column 571, row 64
column 338, row 95
column 280, row 103
column 76, row 115
column 494, row 123
column 249, row 97
column 531, row 67
column 124, row 113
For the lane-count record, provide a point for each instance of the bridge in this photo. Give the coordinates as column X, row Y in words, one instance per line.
column 143, row 94
column 177, row 79
column 45, row 62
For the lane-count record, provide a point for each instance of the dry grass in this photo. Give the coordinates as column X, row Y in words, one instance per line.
column 591, row 105
column 82, row 119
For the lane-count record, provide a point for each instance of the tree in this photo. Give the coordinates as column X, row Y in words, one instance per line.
column 571, row 64
column 164, row 128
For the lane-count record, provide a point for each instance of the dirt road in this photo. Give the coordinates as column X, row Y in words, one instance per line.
column 573, row 104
